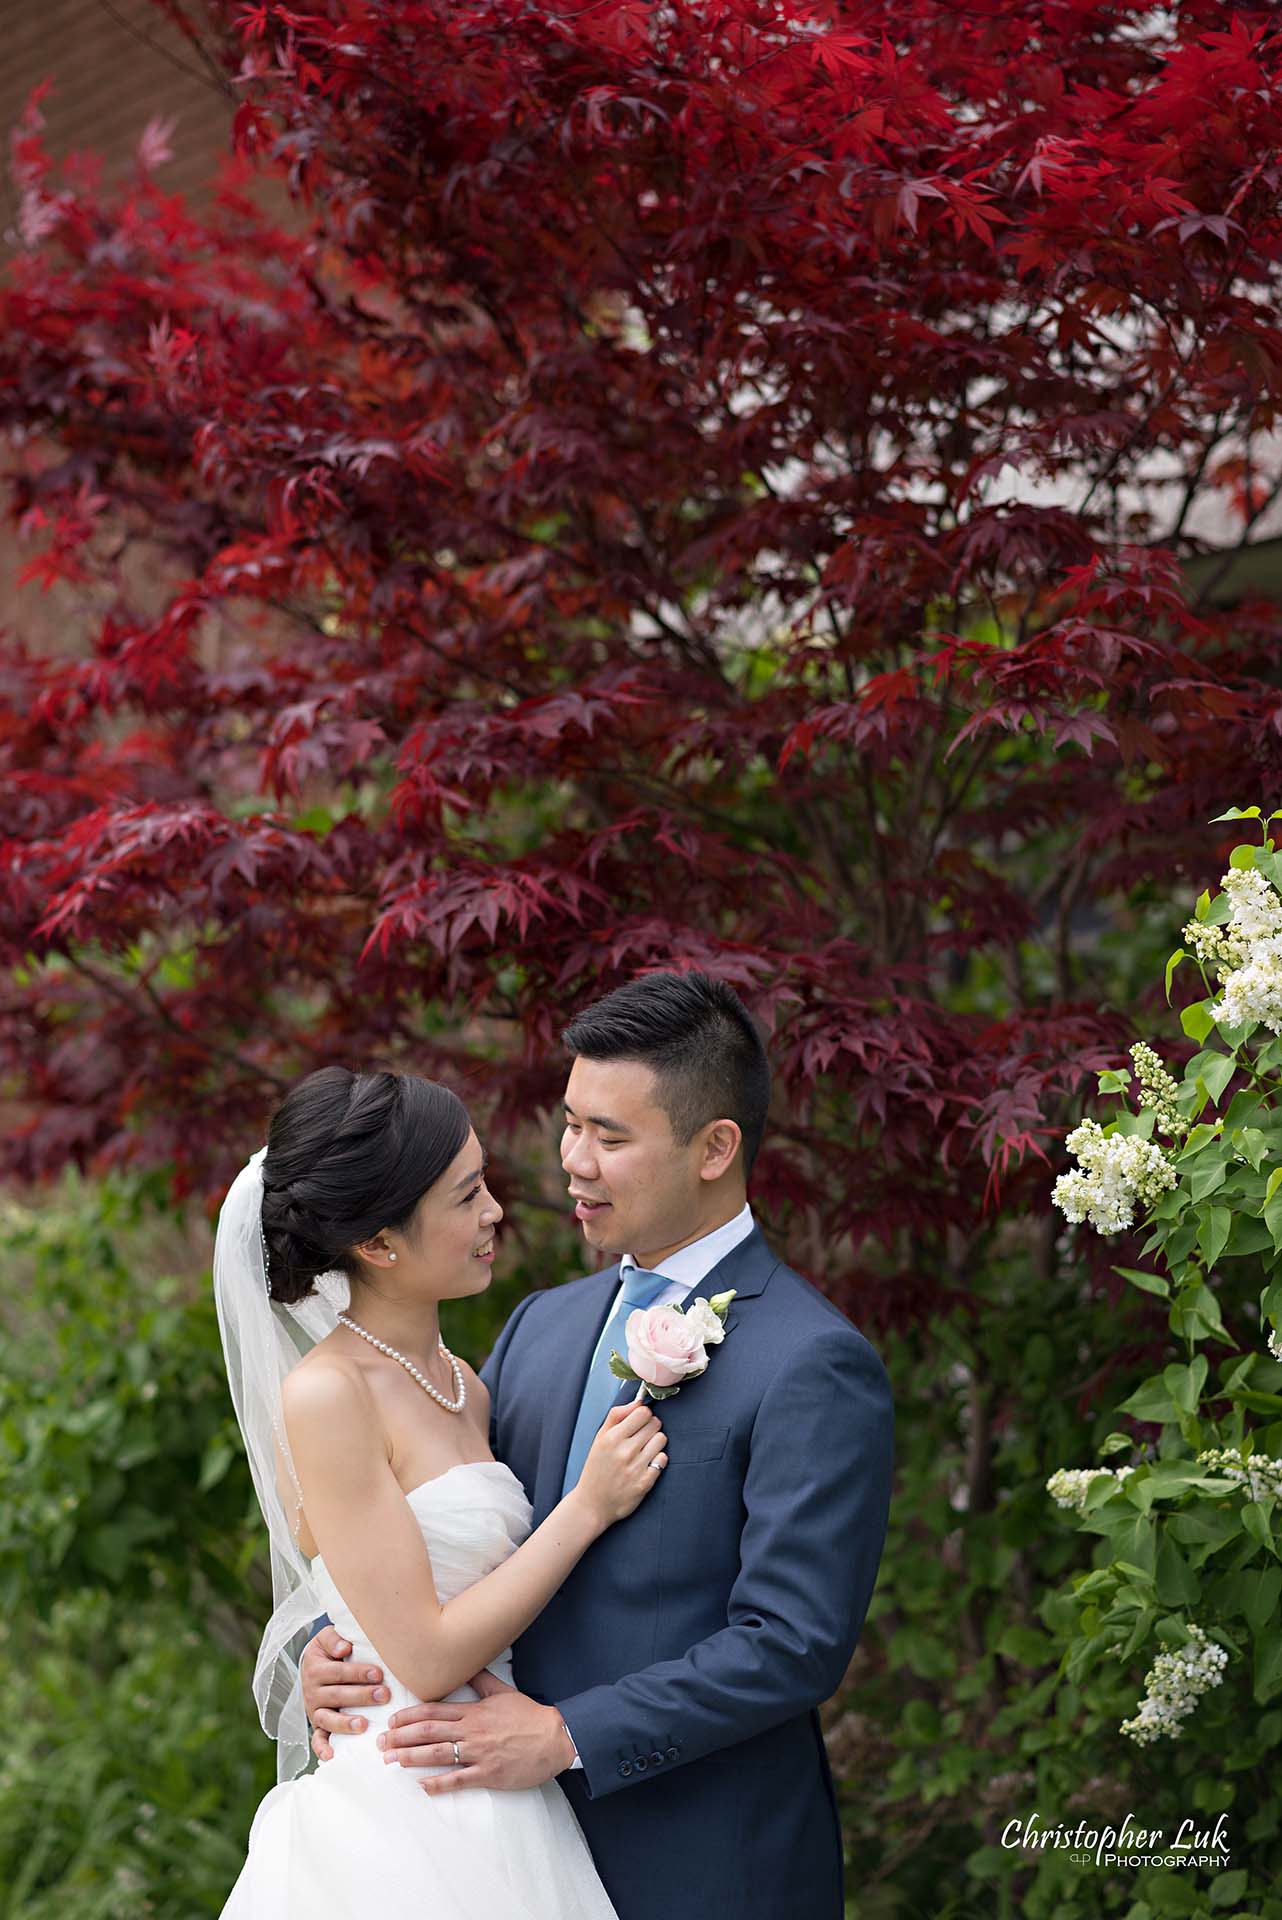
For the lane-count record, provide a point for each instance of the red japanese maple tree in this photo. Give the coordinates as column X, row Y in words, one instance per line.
column 690, row 485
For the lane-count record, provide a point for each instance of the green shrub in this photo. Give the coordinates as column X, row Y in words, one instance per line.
column 132, row 1763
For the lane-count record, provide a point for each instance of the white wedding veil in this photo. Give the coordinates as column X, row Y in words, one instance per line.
column 262, row 1340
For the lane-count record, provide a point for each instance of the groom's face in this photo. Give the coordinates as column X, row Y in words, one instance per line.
column 636, row 1189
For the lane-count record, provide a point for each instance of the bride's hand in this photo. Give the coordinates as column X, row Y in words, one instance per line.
column 623, row 1463
column 328, row 1690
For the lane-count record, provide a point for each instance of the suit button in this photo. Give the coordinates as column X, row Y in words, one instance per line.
column 671, row 1753
column 640, row 1763
column 625, row 1768
column 656, row 1759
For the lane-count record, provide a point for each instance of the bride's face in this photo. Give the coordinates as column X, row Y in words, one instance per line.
column 447, row 1250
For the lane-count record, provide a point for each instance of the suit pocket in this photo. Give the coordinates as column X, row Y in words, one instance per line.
column 688, row 1445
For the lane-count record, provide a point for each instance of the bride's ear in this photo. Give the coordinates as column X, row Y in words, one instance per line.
column 376, row 1252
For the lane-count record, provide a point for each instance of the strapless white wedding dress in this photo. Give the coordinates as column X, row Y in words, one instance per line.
column 359, row 1840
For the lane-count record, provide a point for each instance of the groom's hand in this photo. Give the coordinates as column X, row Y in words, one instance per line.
column 329, row 1692
column 505, row 1739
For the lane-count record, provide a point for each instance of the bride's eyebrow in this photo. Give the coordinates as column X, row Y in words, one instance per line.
column 470, row 1179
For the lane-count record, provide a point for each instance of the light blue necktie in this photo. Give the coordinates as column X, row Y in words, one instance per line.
column 601, row 1388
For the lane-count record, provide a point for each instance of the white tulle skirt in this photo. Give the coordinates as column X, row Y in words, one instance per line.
column 359, row 1840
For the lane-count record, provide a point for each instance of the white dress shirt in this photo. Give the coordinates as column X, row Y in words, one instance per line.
column 684, row 1270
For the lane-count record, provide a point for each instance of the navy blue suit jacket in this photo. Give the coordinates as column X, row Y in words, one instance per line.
column 691, row 1646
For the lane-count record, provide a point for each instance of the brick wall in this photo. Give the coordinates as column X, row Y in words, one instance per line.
column 114, row 65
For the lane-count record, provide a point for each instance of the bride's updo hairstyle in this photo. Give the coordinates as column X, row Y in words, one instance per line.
column 349, row 1154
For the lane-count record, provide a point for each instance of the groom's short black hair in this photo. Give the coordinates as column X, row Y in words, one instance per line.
column 699, row 1039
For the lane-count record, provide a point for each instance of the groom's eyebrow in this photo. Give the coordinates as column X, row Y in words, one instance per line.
column 602, row 1120
column 470, row 1179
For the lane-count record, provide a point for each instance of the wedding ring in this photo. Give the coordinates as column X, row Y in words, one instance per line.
column 656, row 1466
column 458, row 1758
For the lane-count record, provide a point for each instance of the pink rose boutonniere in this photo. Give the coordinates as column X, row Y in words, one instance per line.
column 667, row 1347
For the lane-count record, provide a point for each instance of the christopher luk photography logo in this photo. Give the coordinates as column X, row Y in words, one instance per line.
column 1195, row 1843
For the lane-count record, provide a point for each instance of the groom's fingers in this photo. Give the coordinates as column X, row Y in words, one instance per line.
column 331, row 1722
column 354, row 1696
column 341, row 1673
column 455, row 1778
column 437, row 1753
column 331, row 1642
column 413, row 1723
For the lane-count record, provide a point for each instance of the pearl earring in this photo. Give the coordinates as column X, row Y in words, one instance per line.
column 391, row 1256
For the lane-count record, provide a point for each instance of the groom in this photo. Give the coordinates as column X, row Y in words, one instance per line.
column 671, row 1685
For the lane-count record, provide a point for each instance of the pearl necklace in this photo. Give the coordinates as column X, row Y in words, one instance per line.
column 460, row 1384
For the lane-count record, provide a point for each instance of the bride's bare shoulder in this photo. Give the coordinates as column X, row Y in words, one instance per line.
column 327, row 1383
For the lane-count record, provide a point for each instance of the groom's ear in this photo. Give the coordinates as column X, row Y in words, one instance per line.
column 722, row 1140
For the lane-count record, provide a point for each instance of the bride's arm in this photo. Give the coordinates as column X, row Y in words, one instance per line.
column 374, row 1550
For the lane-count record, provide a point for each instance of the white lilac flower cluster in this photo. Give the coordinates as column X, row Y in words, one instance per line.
column 1158, row 1091
column 1275, row 1343
column 1258, row 1471
column 1246, row 954
column 1174, row 1684
column 1117, row 1170
column 1067, row 1485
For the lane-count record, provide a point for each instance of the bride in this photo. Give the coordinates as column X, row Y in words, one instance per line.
column 368, row 1442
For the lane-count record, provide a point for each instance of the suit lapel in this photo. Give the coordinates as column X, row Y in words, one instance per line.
column 746, row 1268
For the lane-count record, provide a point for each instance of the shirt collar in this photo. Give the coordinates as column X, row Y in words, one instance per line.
column 689, row 1265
